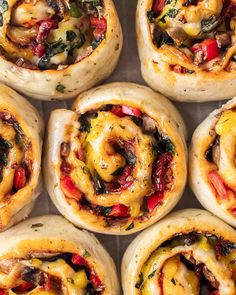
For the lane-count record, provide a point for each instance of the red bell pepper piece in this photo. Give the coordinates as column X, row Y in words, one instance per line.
column 117, row 110
column 70, row 189
column 19, row 178
column 154, row 200
column 217, row 183
column 158, row 6
column 96, row 282
column 2, row 292
column 233, row 211
column 210, row 49
column 100, row 26
column 79, row 260
column 120, row 210
column 25, row 286
column 131, row 111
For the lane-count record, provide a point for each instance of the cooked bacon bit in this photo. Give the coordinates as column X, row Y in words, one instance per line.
column 223, row 39
column 45, row 28
column 81, row 154
column 19, row 178
column 210, row 277
column 39, row 50
column 22, row 63
column 178, row 69
column 65, row 149
column 119, row 210
column 159, row 176
column 48, row 283
column 65, row 167
column 124, row 178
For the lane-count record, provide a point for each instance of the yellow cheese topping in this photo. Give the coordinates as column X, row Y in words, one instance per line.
column 226, row 123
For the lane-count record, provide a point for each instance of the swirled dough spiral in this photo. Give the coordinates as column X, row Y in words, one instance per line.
column 56, row 49
column 213, row 162
column 47, row 255
column 187, row 48
column 185, row 253
column 117, row 162
column 21, row 132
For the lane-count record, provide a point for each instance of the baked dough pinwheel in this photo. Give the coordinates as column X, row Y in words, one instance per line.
column 188, row 252
column 21, row 131
column 48, row 256
column 187, row 48
column 213, row 162
column 117, row 162
column 55, row 49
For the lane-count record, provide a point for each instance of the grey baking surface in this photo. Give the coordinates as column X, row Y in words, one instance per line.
column 127, row 70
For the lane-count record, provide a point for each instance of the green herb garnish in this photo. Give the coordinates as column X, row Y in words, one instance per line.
column 74, row 10
column 86, row 254
column 152, row 274
column 60, row 88
column 140, row 281
column 131, row 226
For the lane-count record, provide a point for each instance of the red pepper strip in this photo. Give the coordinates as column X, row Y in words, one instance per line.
column 117, row 110
column 154, row 200
column 217, row 183
column 44, row 29
column 158, row 6
column 131, row 111
column 19, row 178
column 79, row 260
column 96, row 282
column 2, row 292
column 25, row 286
column 120, row 210
column 70, row 189
column 210, row 49
column 100, row 26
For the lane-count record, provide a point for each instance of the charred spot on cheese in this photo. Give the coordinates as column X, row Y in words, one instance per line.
column 52, row 273
column 114, row 143
column 51, row 34
column 202, row 32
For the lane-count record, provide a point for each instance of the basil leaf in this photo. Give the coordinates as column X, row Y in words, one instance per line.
column 70, row 36
column 74, row 10
column 209, row 24
column 99, row 185
column 171, row 13
column 131, row 226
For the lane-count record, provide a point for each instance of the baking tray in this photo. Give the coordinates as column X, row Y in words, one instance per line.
column 128, row 70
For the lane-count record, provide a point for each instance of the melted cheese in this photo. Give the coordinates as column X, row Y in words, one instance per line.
column 31, row 13
column 178, row 280
column 193, row 15
column 226, row 123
